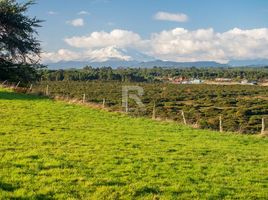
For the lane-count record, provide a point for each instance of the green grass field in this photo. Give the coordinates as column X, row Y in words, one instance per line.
column 54, row 150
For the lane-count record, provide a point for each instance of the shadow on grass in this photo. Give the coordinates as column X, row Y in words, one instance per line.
column 43, row 197
column 146, row 190
column 5, row 95
column 7, row 187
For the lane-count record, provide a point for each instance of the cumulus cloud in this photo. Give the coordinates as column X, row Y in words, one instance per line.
column 117, row 37
column 60, row 55
column 76, row 22
column 182, row 45
column 82, row 12
column 98, row 55
column 175, row 17
column 244, row 44
column 205, row 44
column 177, row 44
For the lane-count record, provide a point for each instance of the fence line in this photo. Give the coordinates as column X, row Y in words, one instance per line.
column 263, row 121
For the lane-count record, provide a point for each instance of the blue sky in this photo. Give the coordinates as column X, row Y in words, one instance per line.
column 139, row 17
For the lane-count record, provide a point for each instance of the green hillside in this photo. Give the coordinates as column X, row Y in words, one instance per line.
column 54, row 150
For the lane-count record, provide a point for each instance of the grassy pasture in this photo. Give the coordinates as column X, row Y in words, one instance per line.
column 54, row 150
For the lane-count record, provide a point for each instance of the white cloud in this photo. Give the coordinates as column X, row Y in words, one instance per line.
column 177, row 44
column 205, row 44
column 182, row 45
column 82, row 12
column 76, row 22
column 175, row 17
column 98, row 55
column 117, row 37
column 52, row 13
column 60, row 55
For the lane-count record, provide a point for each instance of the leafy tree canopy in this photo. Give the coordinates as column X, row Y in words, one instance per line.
column 19, row 47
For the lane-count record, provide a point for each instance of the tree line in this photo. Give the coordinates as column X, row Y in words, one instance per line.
column 154, row 74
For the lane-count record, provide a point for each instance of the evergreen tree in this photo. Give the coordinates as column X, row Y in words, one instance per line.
column 19, row 48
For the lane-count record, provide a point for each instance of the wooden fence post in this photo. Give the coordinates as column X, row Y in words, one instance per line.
column 17, row 85
column 47, row 90
column 103, row 103
column 183, row 117
column 220, row 125
column 31, row 87
column 154, row 112
column 4, row 83
column 263, row 127
column 127, row 106
column 84, row 98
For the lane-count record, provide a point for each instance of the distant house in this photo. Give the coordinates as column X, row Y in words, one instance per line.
column 247, row 82
column 223, row 79
column 193, row 81
column 177, row 80
column 185, row 82
column 253, row 83
column 196, row 81
column 244, row 82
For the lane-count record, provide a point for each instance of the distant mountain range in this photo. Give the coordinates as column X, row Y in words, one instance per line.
column 81, row 64
column 116, row 63
column 121, row 63
column 180, row 64
column 252, row 63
